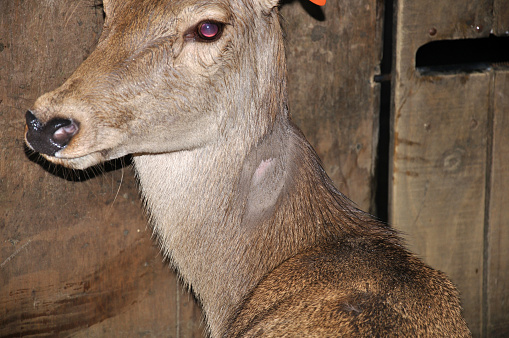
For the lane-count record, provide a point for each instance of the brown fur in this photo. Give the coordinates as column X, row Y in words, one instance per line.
column 237, row 197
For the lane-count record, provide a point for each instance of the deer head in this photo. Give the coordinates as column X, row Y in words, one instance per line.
column 166, row 76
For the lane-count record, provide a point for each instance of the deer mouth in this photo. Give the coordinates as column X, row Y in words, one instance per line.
column 80, row 163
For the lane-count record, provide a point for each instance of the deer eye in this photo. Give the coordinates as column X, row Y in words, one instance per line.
column 209, row 31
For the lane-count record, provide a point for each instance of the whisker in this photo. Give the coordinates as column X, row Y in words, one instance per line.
column 119, row 186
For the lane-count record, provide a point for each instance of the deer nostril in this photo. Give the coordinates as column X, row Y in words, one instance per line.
column 50, row 137
column 64, row 131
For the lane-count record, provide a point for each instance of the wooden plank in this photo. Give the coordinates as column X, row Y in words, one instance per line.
column 501, row 17
column 439, row 146
column 497, row 311
column 75, row 257
column 333, row 54
column 420, row 22
column 438, row 179
column 78, row 258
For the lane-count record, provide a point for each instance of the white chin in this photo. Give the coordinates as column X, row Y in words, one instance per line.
column 80, row 163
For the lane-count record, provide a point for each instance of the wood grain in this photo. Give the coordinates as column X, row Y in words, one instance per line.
column 76, row 257
column 332, row 60
column 501, row 17
column 438, row 180
column 441, row 192
column 497, row 301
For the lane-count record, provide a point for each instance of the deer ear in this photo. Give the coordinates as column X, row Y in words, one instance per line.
column 107, row 7
column 267, row 5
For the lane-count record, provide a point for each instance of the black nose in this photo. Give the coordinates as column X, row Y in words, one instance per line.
column 50, row 137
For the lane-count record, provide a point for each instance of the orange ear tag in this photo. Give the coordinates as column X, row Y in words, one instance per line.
column 318, row 2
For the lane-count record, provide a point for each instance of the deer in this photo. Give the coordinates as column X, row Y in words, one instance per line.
column 238, row 199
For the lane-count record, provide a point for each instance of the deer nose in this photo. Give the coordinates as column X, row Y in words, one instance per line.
column 50, row 137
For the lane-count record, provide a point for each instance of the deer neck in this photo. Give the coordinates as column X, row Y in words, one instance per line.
column 212, row 209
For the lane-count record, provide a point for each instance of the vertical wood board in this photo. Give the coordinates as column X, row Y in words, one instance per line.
column 501, row 17
column 438, row 178
column 441, row 125
column 420, row 22
column 332, row 60
column 498, row 230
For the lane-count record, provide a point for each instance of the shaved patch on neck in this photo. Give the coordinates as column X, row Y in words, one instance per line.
column 262, row 169
column 263, row 179
column 266, row 185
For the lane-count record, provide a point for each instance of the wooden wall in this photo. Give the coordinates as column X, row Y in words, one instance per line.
column 76, row 255
column 333, row 55
column 449, row 157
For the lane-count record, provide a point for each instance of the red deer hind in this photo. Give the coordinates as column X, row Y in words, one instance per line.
column 195, row 90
